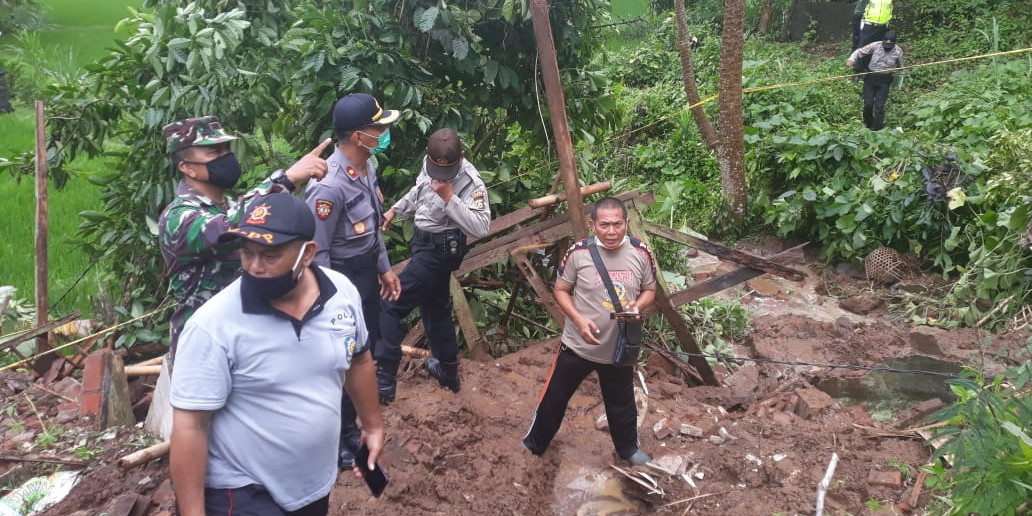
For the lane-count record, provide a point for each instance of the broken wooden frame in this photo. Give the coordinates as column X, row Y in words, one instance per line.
column 501, row 244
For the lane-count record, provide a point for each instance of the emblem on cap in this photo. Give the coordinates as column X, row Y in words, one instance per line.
column 323, row 209
column 258, row 215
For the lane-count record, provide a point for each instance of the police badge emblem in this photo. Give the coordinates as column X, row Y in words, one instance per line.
column 323, row 209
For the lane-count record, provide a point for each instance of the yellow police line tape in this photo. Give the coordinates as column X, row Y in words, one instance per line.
column 99, row 333
column 711, row 98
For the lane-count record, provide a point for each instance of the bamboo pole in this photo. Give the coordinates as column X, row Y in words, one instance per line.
column 42, row 341
column 143, row 456
column 143, row 370
column 557, row 198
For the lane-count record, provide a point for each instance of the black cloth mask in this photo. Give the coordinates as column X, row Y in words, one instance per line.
column 272, row 288
column 224, row 171
column 888, row 46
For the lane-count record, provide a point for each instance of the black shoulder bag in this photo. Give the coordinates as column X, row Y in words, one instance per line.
column 628, row 339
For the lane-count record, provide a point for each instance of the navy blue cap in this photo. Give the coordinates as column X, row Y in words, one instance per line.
column 359, row 110
column 274, row 219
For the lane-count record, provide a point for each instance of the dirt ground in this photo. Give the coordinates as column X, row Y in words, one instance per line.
column 758, row 444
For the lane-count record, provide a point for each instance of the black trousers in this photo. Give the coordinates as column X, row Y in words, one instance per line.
column 568, row 371
column 424, row 285
column 876, row 92
column 361, row 270
column 254, row 500
column 857, row 18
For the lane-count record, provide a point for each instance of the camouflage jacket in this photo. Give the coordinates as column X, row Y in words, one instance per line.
column 196, row 264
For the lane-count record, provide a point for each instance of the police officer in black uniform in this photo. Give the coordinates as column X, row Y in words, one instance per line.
column 449, row 204
column 348, row 208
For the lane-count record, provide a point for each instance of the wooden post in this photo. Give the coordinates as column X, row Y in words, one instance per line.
column 519, row 255
column 467, row 323
column 42, row 342
column 557, row 112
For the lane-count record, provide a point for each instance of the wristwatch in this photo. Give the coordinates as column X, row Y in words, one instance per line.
column 280, row 177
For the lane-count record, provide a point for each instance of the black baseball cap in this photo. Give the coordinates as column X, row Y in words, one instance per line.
column 359, row 110
column 274, row 219
column 443, row 154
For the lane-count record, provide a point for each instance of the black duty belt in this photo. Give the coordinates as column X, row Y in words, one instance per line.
column 427, row 237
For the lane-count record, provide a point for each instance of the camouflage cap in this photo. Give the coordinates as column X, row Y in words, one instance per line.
column 194, row 132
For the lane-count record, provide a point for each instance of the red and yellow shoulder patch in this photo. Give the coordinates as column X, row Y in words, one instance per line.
column 323, row 209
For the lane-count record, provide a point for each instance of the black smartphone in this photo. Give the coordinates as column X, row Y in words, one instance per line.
column 376, row 478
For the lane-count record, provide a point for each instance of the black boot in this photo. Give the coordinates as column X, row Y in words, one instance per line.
column 386, row 381
column 447, row 373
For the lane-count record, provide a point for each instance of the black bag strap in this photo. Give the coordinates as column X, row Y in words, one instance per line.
column 595, row 257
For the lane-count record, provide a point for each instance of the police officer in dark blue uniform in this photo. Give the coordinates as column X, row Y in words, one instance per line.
column 348, row 208
column 449, row 204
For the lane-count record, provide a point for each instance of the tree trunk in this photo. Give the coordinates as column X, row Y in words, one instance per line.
column 766, row 11
column 731, row 152
column 691, row 90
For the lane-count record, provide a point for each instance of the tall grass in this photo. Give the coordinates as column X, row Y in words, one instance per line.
column 77, row 33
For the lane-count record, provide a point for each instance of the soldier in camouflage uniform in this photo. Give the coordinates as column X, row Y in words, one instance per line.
column 196, row 264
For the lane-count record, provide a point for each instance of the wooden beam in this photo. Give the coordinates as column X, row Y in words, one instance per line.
column 519, row 255
column 557, row 113
column 667, row 308
column 684, row 335
column 39, row 330
column 723, row 252
column 467, row 323
column 725, row 281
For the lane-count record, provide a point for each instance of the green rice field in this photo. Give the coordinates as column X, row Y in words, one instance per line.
column 79, row 32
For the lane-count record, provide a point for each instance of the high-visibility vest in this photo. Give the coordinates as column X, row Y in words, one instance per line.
column 878, row 11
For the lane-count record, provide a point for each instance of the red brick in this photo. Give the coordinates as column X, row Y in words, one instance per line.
column 892, row 479
column 94, row 369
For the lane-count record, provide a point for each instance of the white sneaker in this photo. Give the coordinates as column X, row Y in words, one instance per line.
column 639, row 458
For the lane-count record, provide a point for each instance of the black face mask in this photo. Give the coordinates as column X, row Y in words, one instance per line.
column 272, row 288
column 224, row 171
column 888, row 46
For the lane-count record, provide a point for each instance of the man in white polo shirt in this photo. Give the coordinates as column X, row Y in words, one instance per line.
column 259, row 375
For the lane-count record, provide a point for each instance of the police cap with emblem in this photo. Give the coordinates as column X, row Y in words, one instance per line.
column 274, row 219
column 443, row 154
column 359, row 110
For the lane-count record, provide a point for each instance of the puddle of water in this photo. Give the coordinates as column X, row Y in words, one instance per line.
column 882, row 390
column 590, row 490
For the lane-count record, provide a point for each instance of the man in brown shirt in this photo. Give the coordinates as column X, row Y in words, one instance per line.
column 590, row 334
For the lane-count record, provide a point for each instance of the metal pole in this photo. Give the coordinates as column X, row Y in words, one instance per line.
column 557, row 111
column 42, row 342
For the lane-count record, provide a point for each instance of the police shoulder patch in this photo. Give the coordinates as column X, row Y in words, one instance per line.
column 479, row 199
column 323, row 209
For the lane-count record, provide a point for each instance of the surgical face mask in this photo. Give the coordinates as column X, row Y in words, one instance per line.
column 275, row 287
column 382, row 142
column 224, row 171
column 888, row 46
